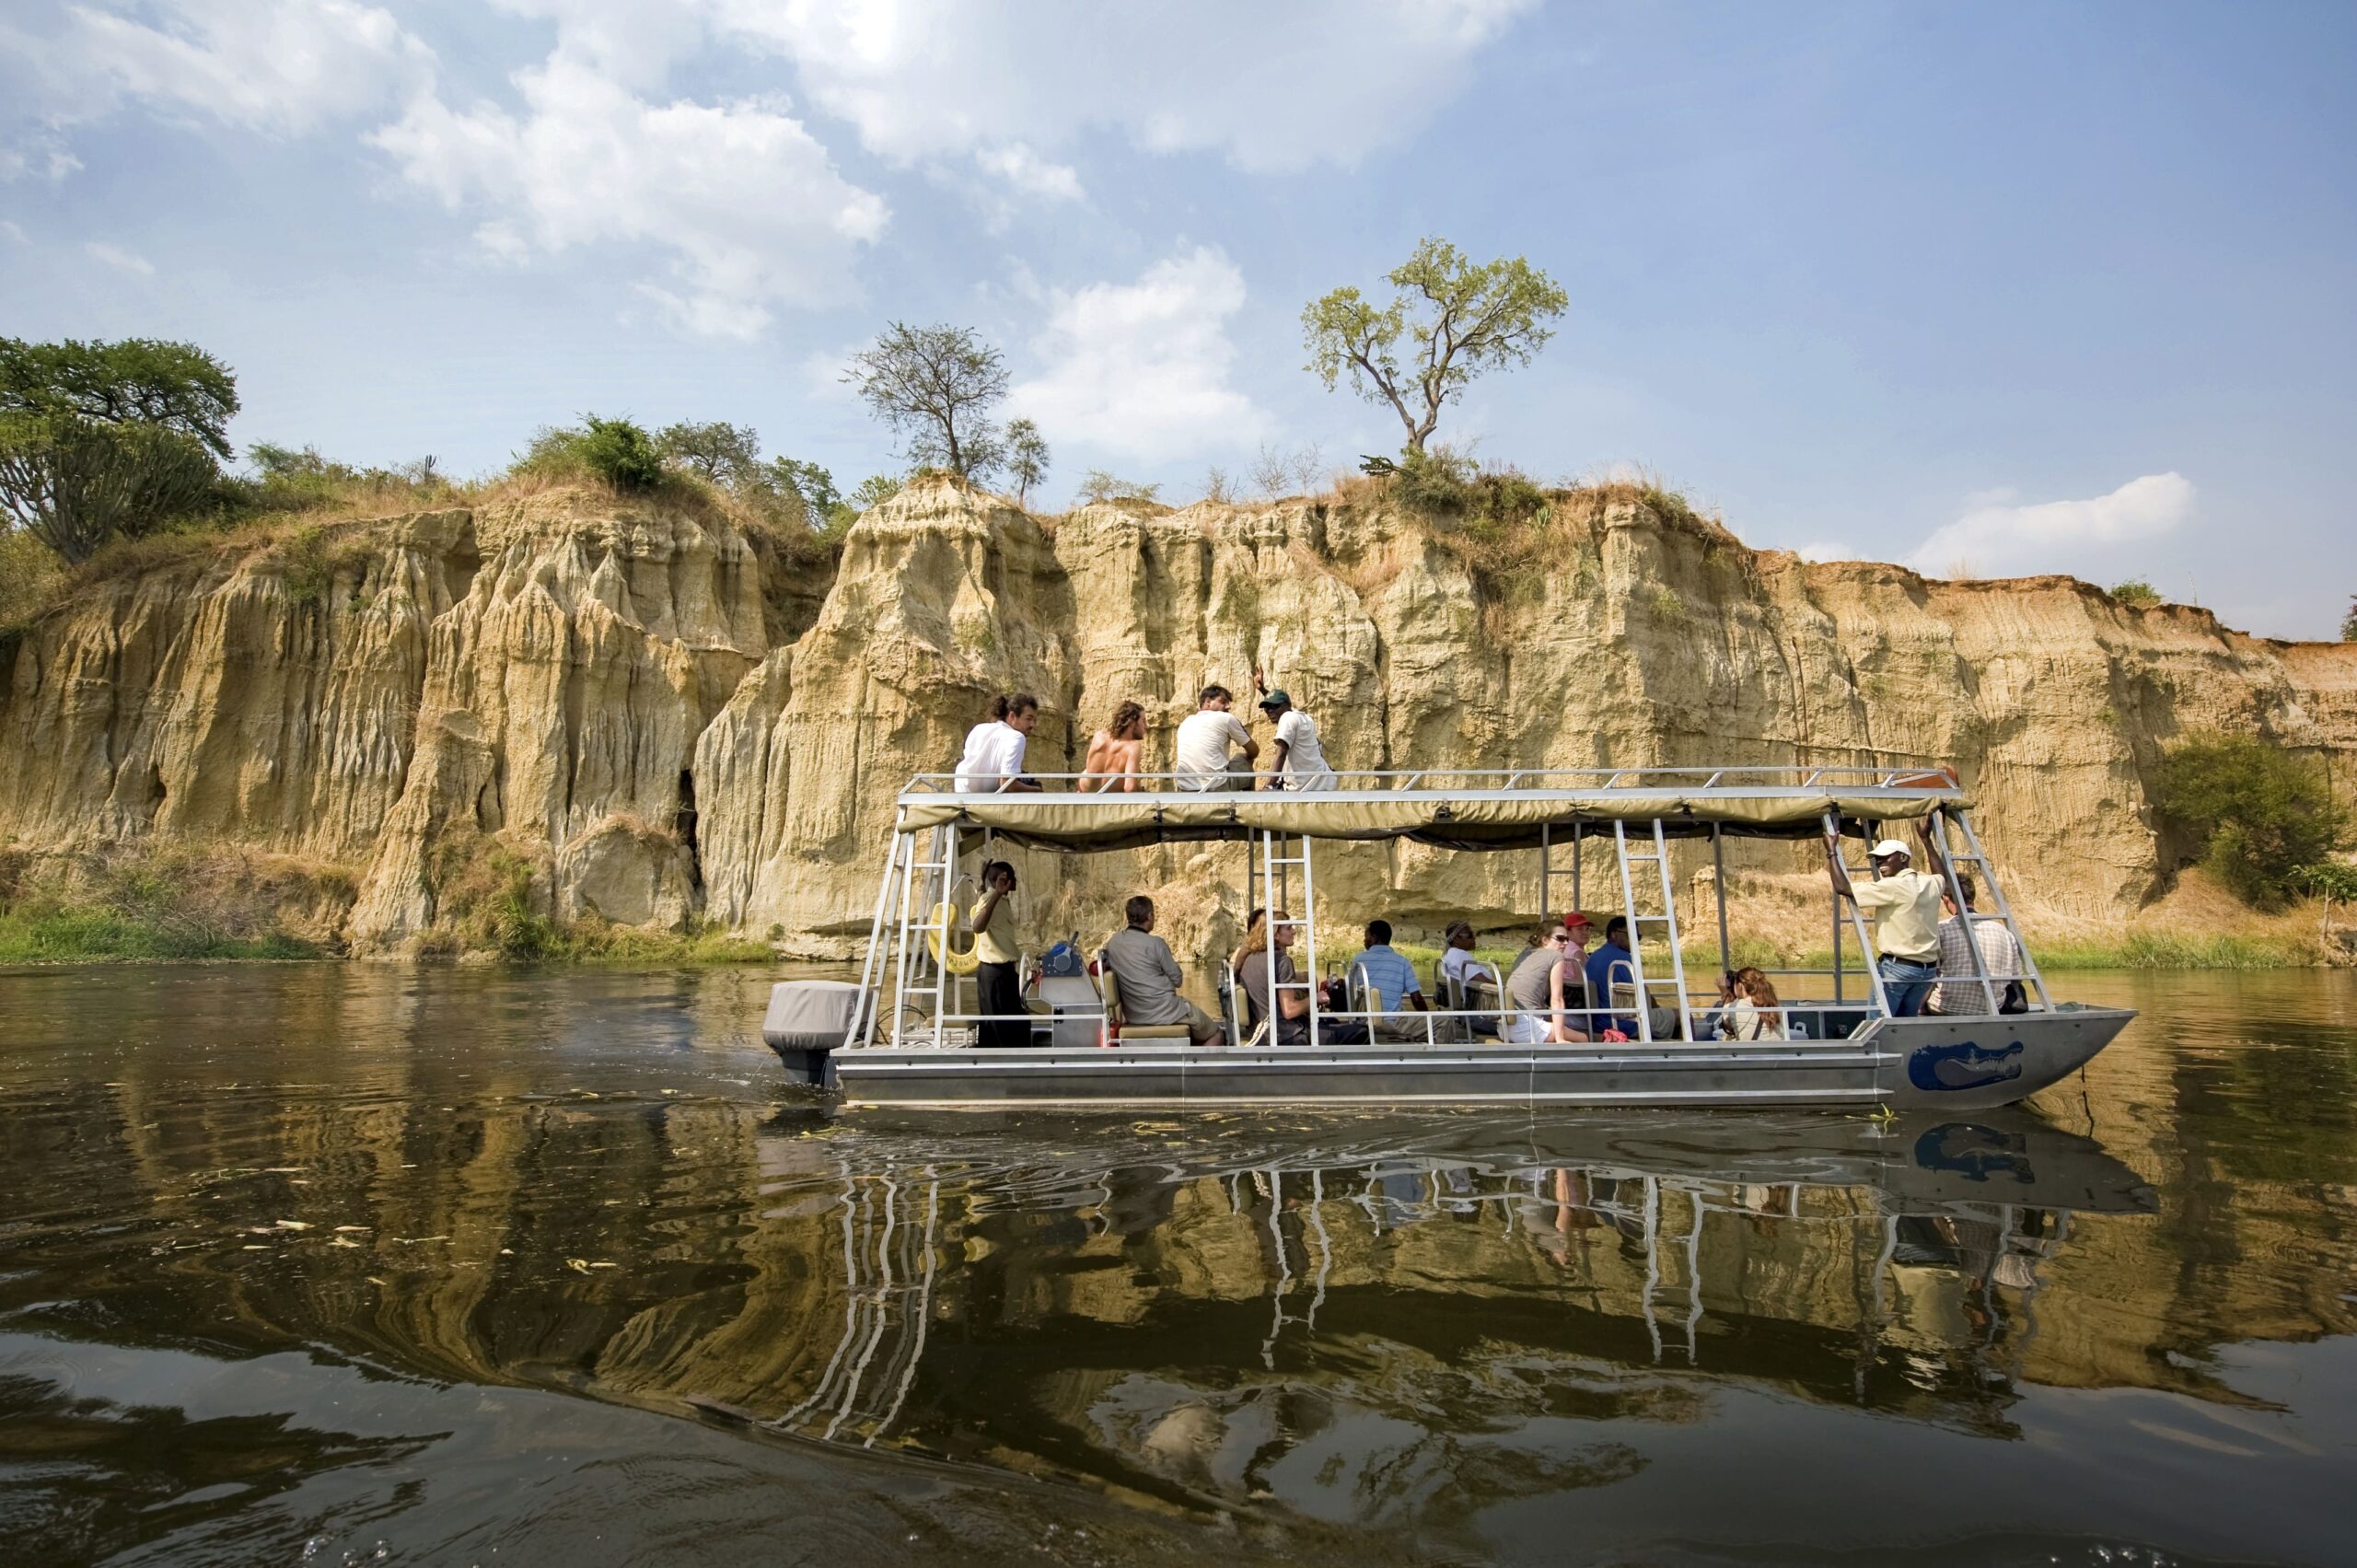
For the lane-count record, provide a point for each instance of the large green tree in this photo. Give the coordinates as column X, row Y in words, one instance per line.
column 101, row 439
column 935, row 386
column 1458, row 319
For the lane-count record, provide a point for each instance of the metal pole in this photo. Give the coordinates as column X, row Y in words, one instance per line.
column 1833, row 827
column 1719, row 882
column 1309, row 931
column 1578, row 854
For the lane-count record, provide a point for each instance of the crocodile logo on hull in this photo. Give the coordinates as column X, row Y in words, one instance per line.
column 1963, row 1065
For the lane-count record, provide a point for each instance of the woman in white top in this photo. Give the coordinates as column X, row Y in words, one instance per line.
column 1750, row 1009
column 993, row 756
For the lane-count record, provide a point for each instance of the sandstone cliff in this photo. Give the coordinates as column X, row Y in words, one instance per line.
column 664, row 717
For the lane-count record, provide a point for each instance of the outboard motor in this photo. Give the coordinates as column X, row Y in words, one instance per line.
column 806, row 1022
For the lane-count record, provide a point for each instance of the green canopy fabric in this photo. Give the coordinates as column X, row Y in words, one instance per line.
column 1468, row 820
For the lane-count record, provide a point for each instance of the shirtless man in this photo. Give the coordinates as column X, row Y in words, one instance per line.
column 1114, row 752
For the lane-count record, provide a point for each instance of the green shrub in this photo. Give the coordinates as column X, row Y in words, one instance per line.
column 874, row 490
column 286, row 479
column 2251, row 812
column 1447, row 485
column 616, row 451
column 2137, row 594
column 1097, row 485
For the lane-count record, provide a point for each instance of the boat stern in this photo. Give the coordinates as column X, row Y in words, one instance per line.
column 1973, row 1063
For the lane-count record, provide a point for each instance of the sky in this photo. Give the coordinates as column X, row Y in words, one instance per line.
column 1985, row 290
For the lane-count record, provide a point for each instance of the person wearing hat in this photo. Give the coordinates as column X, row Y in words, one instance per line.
column 1906, row 907
column 1298, row 762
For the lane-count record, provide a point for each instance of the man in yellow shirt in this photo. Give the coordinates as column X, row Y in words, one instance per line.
column 1906, row 906
column 998, row 943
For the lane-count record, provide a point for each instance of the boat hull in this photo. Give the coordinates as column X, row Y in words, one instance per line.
column 1958, row 1063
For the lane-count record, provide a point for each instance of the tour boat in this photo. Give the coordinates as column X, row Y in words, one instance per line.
column 906, row 1033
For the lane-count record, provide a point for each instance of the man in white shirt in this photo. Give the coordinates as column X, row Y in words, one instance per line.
column 1208, row 739
column 1299, row 762
column 1905, row 903
column 993, row 756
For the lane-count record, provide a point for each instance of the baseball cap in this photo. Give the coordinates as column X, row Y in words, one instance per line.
column 1277, row 698
column 1890, row 847
column 1576, row 920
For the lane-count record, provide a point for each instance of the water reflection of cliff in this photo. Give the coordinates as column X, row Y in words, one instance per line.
column 1357, row 1317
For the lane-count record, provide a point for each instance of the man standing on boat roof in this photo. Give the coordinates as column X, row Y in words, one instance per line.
column 1906, row 905
column 1299, row 762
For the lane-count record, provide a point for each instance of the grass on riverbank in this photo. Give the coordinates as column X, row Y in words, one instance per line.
column 64, row 935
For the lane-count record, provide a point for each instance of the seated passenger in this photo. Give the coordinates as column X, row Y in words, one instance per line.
column 1150, row 978
column 1748, row 1008
column 1267, row 974
column 1252, row 923
column 1114, row 752
column 1391, row 976
column 1547, row 998
column 1612, row 965
column 1210, row 740
column 992, row 762
column 1473, row 987
column 1968, row 946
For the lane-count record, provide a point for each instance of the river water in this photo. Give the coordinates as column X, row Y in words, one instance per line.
column 346, row 1263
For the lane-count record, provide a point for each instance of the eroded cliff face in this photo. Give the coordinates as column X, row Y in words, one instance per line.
column 663, row 719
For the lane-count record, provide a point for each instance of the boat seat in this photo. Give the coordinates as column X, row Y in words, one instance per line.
column 1115, row 1026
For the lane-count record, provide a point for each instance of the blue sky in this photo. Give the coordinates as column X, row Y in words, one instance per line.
column 2005, row 289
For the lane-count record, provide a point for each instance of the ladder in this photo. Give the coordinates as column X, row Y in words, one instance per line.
column 1857, row 926
column 1550, row 872
column 936, row 870
column 1974, row 856
column 1276, row 879
column 1647, row 873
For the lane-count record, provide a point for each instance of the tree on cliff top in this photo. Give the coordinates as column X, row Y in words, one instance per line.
column 101, row 439
column 1461, row 319
column 1027, row 457
column 935, row 386
column 723, row 453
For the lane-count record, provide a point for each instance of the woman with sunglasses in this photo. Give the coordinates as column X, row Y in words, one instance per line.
column 1541, row 989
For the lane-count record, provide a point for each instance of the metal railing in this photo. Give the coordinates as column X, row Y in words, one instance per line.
column 1916, row 778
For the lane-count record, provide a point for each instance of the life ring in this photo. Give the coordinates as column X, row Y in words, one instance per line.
column 946, row 953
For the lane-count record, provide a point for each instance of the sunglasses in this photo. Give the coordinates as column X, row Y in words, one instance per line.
column 1556, row 936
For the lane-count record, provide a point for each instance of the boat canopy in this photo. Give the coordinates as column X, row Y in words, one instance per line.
column 1468, row 810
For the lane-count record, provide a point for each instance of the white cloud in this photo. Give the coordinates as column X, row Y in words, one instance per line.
column 1826, row 549
column 275, row 65
column 1140, row 370
column 1268, row 86
column 14, row 233
column 745, row 199
column 117, row 256
column 1028, row 173
column 2083, row 537
column 39, row 154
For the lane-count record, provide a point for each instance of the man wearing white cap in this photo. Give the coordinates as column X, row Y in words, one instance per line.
column 1906, row 905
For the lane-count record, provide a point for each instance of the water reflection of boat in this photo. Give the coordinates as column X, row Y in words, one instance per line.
column 912, row 1031
column 1177, row 1307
